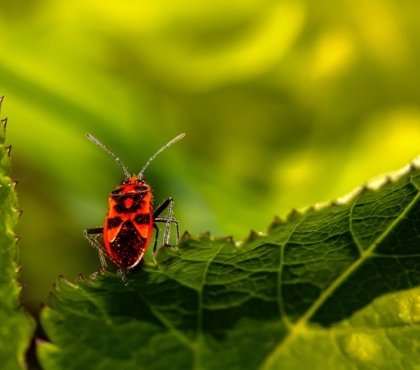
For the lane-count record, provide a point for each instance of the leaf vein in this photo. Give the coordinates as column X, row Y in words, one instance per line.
column 301, row 323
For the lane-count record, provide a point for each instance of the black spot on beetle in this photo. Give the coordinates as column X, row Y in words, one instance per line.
column 136, row 203
column 142, row 219
column 113, row 222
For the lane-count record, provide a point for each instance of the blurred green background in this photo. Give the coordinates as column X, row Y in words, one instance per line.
column 285, row 103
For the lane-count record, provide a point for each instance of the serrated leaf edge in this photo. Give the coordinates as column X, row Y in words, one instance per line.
column 301, row 325
column 375, row 183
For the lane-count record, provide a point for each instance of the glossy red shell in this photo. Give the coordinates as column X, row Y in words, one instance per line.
column 129, row 221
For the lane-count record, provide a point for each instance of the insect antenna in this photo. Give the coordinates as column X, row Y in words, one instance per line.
column 166, row 146
column 114, row 157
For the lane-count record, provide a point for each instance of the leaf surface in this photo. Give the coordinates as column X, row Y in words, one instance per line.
column 335, row 286
column 16, row 326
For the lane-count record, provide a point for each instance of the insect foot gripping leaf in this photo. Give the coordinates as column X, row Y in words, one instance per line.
column 16, row 326
column 333, row 287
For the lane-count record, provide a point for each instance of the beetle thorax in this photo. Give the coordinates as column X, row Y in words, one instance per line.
column 132, row 195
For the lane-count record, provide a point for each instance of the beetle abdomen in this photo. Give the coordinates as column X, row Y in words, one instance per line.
column 128, row 247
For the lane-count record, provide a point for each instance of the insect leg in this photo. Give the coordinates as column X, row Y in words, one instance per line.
column 162, row 207
column 93, row 235
column 123, row 277
column 93, row 231
column 156, row 237
column 166, row 243
column 169, row 221
column 167, row 204
column 155, row 243
column 167, row 231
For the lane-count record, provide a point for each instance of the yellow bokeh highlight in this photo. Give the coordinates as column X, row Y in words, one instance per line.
column 334, row 53
column 390, row 132
column 158, row 31
column 296, row 175
column 382, row 30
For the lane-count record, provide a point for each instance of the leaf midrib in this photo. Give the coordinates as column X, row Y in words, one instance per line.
column 301, row 324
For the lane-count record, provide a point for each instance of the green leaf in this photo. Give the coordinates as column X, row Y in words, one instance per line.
column 16, row 326
column 331, row 287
